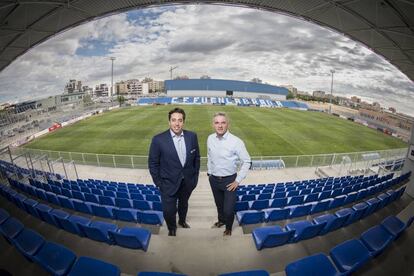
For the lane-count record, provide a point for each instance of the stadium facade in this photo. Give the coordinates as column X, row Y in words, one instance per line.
column 224, row 88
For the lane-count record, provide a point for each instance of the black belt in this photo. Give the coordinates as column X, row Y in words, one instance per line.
column 223, row 177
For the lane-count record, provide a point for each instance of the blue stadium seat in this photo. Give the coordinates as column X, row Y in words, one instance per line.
column 109, row 193
column 88, row 266
column 97, row 192
column 350, row 198
column 318, row 264
column 373, row 204
column 103, row 211
column 55, row 258
column 150, row 217
column 28, row 242
column 279, row 194
column 125, row 214
column 65, row 202
column 52, row 198
column 275, row 214
column 270, row 236
column 41, row 194
column 98, row 231
column 30, row 205
column 123, row 203
column 56, row 214
column 349, row 213
column 296, row 200
column 132, row 237
column 241, row 206
column 157, row 206
column 350, row 255
column 42, row 210
column 359, row 209
column 376, row 239
column 106, row 200
column 4, row 215
column 248, row 197
column 122, row 195
column 311, row 197
column 71, row 224
column 78, row 195
column 337, row 201
column 81, row 206
column 384, row 199
column 300, row 210
column 91, row 198
column 141, row 204
column 259, row 204
column 259, row 272
column 136, row 196
column 264, row 196
column 304, row 229
column 393, row 225
column 67, row 193
column 250, row 217
column 320, row 206
column 18, row 200
column 153, row 198
column 332, row 222
column 279, row 202
column 325, row 194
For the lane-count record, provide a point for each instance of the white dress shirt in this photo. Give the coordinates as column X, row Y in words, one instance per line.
column 223, row 155
column 179, row 144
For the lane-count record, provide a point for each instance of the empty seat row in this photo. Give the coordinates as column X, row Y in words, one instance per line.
column 34, row 207
column 55, row 258
column 132, row 194
column 131, row 237
column 59, row 260
column 271, row 236
column 89, row 204
column 73, row 185
column 296, row 209
column 309, row 184
column 340, row 197
column 350, row 255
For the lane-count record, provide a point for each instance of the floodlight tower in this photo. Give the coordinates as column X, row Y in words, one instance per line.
column 112, row 75
column 330, row 99
column 171, row 70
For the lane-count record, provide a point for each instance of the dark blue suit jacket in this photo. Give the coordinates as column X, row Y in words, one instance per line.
column 165, row 166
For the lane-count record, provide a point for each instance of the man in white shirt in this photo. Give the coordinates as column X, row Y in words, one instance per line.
column 225, row 152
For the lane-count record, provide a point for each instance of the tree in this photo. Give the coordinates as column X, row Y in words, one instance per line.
column 290, row 96
column 120, row 100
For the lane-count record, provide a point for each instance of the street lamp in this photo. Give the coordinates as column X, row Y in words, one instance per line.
column 330, row 99
column 112, row 75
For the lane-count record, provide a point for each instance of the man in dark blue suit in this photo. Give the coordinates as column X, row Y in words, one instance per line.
column 174, row 164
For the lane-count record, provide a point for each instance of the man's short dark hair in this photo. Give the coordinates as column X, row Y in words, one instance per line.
column 176, row 110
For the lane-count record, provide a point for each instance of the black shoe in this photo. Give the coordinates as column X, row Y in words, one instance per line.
column 218, row 224
column 227, row 232
column 172, row 232
column 184, row 224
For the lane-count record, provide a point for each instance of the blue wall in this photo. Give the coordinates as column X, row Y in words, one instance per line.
column 223, row 85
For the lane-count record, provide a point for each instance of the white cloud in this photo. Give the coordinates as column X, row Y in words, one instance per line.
column 223, row 42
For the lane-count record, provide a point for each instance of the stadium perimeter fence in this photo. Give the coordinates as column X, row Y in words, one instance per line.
column 350, row 159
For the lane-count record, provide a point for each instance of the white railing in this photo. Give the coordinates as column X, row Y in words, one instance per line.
column 289, row 161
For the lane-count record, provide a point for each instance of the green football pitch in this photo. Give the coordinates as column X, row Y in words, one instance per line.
column 265, row 131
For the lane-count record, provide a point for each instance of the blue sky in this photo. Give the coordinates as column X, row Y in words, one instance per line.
column 220, row 41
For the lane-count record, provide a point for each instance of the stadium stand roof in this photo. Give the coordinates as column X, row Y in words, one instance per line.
column 223, row 85
column 385, row 26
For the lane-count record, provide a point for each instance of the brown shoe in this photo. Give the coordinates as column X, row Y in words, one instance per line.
column 218, row 224
column 227, row 232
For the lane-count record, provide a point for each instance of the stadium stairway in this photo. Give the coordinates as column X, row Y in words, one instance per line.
column 204, row 251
